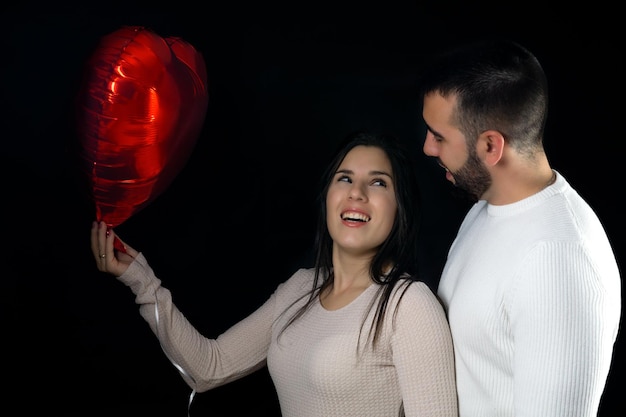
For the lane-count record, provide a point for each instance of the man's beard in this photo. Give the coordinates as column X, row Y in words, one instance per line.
column 472, row 177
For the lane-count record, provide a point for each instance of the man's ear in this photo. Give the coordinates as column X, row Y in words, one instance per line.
column 490, row 147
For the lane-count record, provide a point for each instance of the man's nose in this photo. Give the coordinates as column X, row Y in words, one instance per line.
column 430, row 147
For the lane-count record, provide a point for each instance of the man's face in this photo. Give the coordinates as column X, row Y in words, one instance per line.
column 445, row 142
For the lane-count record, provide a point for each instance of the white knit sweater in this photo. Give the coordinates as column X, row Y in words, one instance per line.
column 532, row 291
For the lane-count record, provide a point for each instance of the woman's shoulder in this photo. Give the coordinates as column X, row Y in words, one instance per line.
column 416, row 292
column 301, row 279
column 303, row 275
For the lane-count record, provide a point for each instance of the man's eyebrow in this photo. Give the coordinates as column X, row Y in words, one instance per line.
column 433, row 131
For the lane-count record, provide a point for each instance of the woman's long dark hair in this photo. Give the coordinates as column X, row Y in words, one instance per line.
column 399, row 250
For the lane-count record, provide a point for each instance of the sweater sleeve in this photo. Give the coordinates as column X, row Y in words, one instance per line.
column 423, row 355
column 564, row 320
column 204, row 363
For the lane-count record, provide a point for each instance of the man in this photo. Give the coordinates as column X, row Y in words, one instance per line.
column 531, row 284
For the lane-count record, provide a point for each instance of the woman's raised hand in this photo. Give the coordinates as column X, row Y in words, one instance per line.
column 108, row 258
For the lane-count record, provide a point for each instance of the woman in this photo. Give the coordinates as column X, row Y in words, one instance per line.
column 356, row 335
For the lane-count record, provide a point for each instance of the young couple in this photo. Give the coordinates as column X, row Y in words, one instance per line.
column 530, row 293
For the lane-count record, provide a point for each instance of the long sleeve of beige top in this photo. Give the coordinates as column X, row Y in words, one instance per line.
column 314, row 365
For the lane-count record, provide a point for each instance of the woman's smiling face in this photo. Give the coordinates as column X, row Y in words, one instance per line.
column 361, row 201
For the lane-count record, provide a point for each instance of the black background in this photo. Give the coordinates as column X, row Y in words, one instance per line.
column 286, row 82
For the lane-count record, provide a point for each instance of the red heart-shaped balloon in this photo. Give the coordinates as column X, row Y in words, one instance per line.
column 141, row 109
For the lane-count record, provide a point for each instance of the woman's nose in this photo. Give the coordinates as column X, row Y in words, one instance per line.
column 357, row 192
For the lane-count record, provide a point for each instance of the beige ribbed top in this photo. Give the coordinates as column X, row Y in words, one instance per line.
column 314, row 365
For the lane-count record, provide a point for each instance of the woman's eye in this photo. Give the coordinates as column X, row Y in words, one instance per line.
column 344, row 178
column 379, row 182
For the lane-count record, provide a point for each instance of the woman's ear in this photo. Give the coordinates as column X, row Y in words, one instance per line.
column 490, row 146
